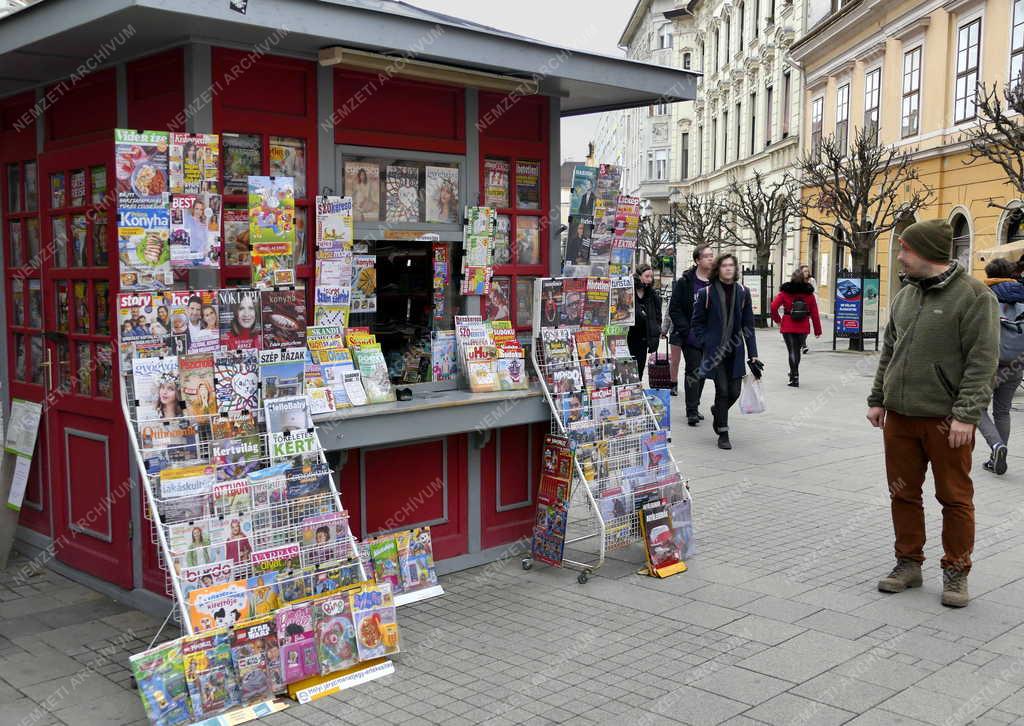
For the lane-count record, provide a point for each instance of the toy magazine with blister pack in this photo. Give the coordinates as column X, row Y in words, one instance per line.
column 255, row 654
column 335, row 633
column 297, row 641
column 209, row 673
column 160, row 676
column 373, row 612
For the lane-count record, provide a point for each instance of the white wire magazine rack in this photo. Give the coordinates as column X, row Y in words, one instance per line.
column 615, row 467
column 273, row 519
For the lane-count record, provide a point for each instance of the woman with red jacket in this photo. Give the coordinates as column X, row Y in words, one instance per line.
column 799, row 308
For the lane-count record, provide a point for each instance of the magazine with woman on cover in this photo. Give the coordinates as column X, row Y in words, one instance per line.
column 195, row 230
column 362, row 183
column 442, row 200
column 240, row 313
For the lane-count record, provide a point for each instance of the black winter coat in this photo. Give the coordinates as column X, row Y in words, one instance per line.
column 680, row 307
column 646, row 329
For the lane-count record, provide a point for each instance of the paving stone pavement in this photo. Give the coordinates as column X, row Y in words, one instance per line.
column 776, row 622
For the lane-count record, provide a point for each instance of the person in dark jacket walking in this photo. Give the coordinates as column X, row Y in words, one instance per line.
column 799, row 308
column 680, row 309
column 996, row 428
column 723, row 322
column 646, row 331
column 934, row 377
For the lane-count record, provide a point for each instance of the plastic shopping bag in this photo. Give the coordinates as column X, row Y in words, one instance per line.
column 752, row 396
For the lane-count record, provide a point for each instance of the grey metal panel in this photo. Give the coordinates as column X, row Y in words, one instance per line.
column 326, row 171
column 430, row 422
column 474, row 303
column 555, row 187
column 50, row 40
column 198, row 79
column 474, row 484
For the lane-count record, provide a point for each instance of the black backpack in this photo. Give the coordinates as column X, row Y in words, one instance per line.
column 799, row 310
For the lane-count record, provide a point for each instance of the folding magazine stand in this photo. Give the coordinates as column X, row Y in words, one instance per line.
column 605, row 465
column 275, row 523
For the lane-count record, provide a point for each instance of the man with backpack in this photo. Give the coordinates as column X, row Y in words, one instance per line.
column 1009, row 292
column 799, row 306
column 939, row 354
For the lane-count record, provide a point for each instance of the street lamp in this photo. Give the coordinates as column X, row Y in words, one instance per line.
column 673, row 207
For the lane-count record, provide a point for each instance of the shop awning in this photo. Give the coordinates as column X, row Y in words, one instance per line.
column 53, row 38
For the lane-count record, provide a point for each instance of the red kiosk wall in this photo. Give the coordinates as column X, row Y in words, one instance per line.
column 509, row 479
column 18, row 147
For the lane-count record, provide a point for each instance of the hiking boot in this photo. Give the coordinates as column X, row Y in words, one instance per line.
column 998, row 459
column 906, row 573
column 954, row 588
column 723, row 440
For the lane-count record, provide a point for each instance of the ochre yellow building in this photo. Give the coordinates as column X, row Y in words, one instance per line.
column 912, row 68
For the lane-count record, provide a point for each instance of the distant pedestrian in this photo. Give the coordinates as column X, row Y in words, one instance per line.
column 645, row 333
column 680, row 309
column 723, row 324
column 996, row 428
column 934, row 377
column 809, row 279
column 799, row 309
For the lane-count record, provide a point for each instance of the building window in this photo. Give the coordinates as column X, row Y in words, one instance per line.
column 911, row 113
column 842, row 116
column 961, row 251
column 741, row 13
column 718, row 46
column 725, row 138
column 817, row 111
column 728, row 39
column 686, row 61
column 771, row 11
column 714, row 144
column 700, row 150
column 661, row 109
column 757, row 17
column 661, row 164
column 872, row 100
column 1017, row 42
column 684, row 155
column 739, row 129
column 650, row 164
column 665, row 37
column 768, row 98
column 787, row 88
column 753, row 123
column 968, row 45
column 1014, row 226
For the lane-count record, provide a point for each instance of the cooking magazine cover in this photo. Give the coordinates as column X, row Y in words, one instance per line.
column 442, row 184
column 403, row 194
column 362, row 183
column 255, row 654
column 236, row 378
column 284, row 317
column 194, row 163
column 144, row 252
column 236, row 237
column 335, row 633
column 198, row 390
column 373, row 612
column 209, row 672
column 141, row 168
column 160, row 677
column 297, row 640
column 240, row 318
column 195, row 230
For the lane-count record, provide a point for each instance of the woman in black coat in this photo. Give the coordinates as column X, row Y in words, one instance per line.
column 723, row 323
column 646, row 331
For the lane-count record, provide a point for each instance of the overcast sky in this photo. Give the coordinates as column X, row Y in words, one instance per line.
column 559, row 22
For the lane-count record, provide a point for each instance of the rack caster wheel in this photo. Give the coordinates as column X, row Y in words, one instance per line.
column 135, row 686
column 583, row 577
column 527, row 563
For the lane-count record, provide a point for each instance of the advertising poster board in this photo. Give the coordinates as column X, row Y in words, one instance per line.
column 848, row 306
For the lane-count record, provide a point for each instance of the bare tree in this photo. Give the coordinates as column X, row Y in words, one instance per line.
column 700, row 219
column 998, row 135
column 654, row 237
column 853, row 197
column 765, row 209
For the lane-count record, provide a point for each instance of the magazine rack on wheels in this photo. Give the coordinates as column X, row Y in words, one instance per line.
column 594, row 478
column 285, row 528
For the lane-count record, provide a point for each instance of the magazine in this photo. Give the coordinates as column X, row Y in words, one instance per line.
column 157, row 395
column 186, row 481
column 584, row 186
column 194, row 163
column 264, row 598
column 216, row 573
column 660, row 545
column 416, row 559
column 335, row 633
column 364, row 284
column 243, row 157
column 354, row 389
column 595, row 310
column 570, row 311
column 272, row 228
column 141, row 167
column 284, row 317
column 209, row 673
column 255, row 654
column 384, row 551
column 443, row 355
column 603, row 404
column 550, row 302
column 334, row 229
column 196, row 542
column 373, row 611
column 218, row 606
column 281, row 559
column 234, row 458
column 622, row 301
column 630, row 398
column 589, row 346
column 240, row 325
column 403, row 194
column 528, row 185
column 198, row 390
column 230, row 496
column 237, row 383
column 297, row 641
column 496, row 174
column 621, row 262
column 282, row 372
column 169, row 443
column 681, row 522
column 288, row 159
column 324, row 537
column 308, row 479
column 195, row 230
column 374, row 372
column 144, row 249
column 577, row 246
column 296, row 585
column 236, row 238
column 362, row 183
column 626, row 371
column 144, row 325
column 442, row 201
column 290, row 432
column 160, row 677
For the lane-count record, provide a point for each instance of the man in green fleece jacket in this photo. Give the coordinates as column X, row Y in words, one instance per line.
column 935, row 375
